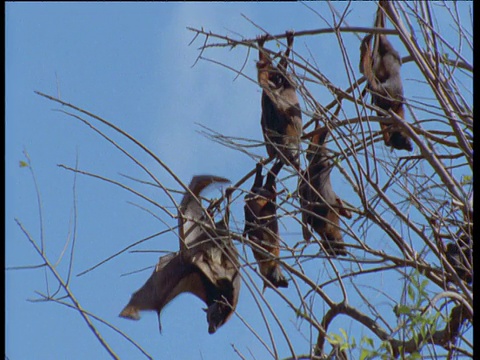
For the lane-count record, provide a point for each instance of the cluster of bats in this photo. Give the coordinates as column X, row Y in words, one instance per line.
column 206, row 264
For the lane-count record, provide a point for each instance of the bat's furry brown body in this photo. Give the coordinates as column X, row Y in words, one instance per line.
column 281, row 116
column 206, row 265
column 460, row 257
column 261, row 225
column 315, row 191
column 382, row 70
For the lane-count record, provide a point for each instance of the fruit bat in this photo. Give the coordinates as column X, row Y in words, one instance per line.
column 382, row 70
column 281, row 116
column 459, row 253
column 261, row 225
column 460, row 257
column 206, row 265
column 315, row 192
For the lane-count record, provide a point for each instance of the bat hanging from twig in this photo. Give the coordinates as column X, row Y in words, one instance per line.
column 261, row 225
column 317, row 198
column 206, row 265
column 381, row 67
column 281, row 115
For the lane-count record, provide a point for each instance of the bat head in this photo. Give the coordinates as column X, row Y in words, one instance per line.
column 217, row 315
column 224, row 303
column 270, row 74
column 316, row 152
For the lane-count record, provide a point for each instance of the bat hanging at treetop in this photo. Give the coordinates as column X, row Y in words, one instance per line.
column 381, row 67
column 281, row 115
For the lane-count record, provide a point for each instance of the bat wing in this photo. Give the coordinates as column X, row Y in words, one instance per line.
column 191, row 211
column 171, row 277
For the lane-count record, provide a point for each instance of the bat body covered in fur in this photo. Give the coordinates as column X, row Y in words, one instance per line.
column 320, row 205
column 206, row 265
column 381, row 67
column 261, row 225
column 281, row 116
column 460, row 257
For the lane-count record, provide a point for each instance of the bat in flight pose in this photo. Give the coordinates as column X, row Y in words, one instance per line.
column 281, row 116
column 206, row 265
column 261, row 225
column 382, row 70
column 317, row 198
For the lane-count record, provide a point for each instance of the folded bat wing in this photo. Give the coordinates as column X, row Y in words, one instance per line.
column 191, row 212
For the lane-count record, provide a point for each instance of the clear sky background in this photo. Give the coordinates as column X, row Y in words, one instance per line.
column 131, row 64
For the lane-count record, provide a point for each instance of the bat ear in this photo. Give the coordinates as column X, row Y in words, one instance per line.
column 317, row 139
column 322, row 136
column 318, row 136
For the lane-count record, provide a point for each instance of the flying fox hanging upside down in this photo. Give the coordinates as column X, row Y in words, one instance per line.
column 459, row 252
column 460, row 257
column 382, row 70
column 317, row 198
column 281, row 116
column 206, row 265
column 261, row 225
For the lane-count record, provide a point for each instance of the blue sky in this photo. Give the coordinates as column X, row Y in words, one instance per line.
column 130, row 63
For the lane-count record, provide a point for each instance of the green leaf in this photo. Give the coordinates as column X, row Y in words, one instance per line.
column 364, row 354
column 466, row 179
column 387, row 346
column 402, row 310
column 411, row 292
column 369, row 341
column 344, row 333
column 299, row 313
column 424, row 284
column 23, row 164
column 415, row 356
column 423, row 331
column 334, row 339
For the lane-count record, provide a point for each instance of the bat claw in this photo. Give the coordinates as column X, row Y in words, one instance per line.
column 290, row 35
column 261, row 39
